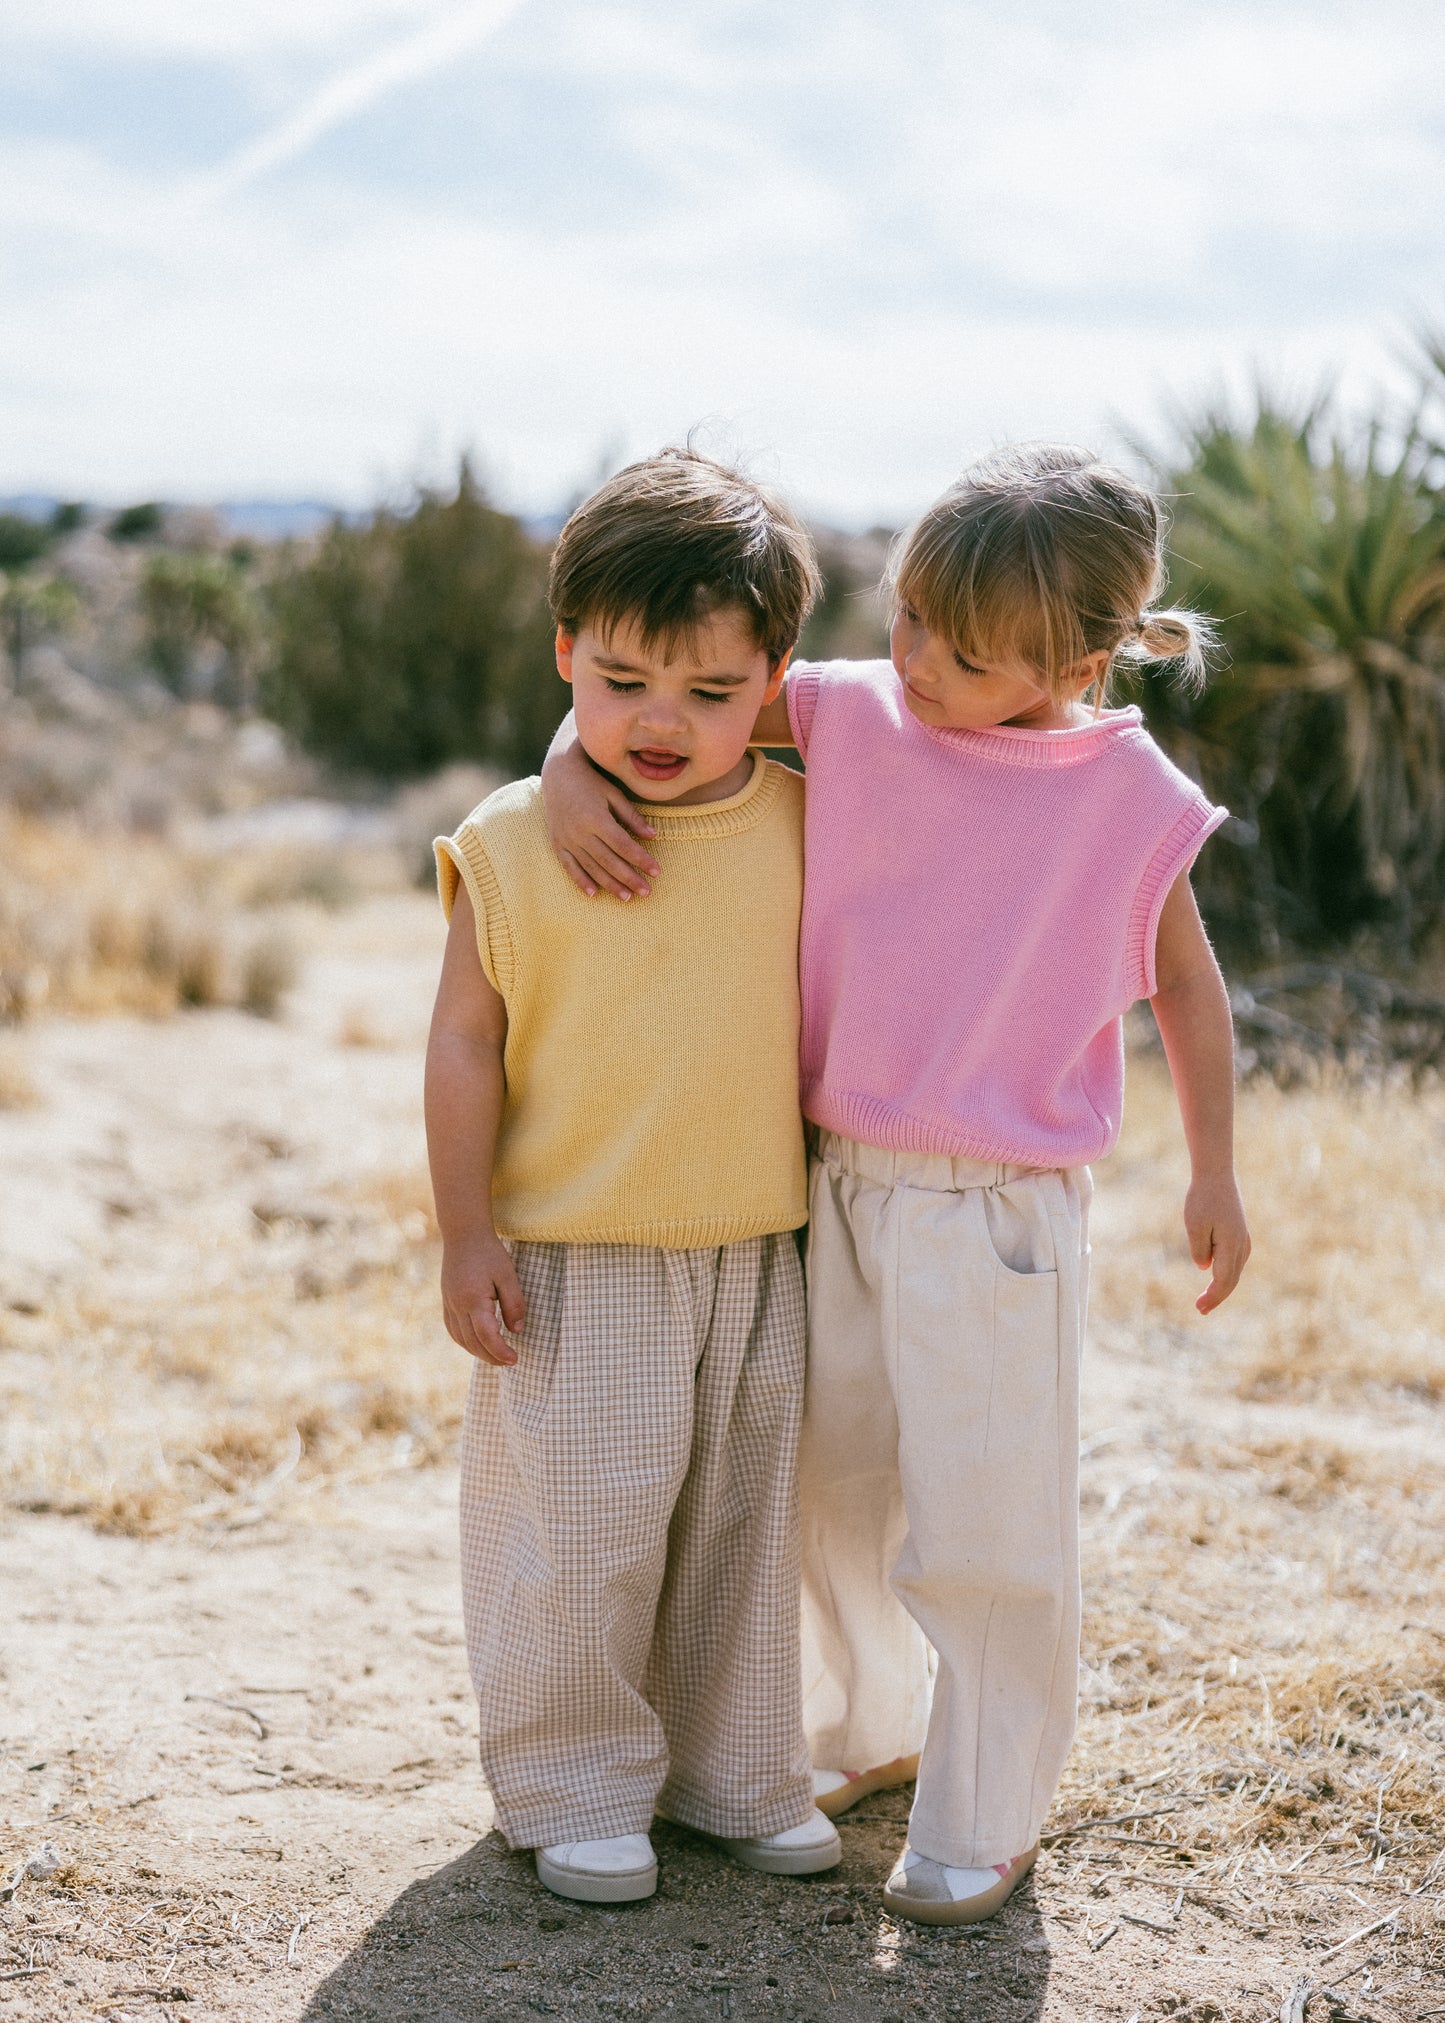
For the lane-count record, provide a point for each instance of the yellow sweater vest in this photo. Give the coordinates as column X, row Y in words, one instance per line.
column 652, row 1048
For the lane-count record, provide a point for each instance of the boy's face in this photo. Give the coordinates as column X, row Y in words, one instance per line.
column 676, row 729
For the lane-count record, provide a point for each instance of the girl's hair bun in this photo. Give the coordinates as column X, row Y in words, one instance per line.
column 1185, row 636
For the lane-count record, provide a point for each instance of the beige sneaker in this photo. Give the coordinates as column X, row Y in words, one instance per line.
column 931, row 1893
column 614, row 1871
column 797, row 1850
column 836, row 1791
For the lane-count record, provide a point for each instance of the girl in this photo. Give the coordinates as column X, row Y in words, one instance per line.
column 997, row 867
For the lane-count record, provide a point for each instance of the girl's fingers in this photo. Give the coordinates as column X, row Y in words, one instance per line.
column 602, row 879
column 612, row 872
column 575, row 872
column 629, row 816
column 637, row 861
column 1229, row 1261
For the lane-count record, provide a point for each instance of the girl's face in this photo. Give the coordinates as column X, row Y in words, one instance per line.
column 947, row 692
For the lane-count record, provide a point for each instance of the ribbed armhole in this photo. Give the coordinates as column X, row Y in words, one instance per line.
column 461, row 857
column 801, row 691
column 1179, row 849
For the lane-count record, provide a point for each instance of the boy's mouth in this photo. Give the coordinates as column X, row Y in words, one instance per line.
column 655, row 763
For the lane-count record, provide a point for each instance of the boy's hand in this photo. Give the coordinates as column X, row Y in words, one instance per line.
column 477, row 1278
column 1218, row 1236
column 593, row 827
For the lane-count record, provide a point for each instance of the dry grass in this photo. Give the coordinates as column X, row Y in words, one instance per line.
column 17, row 1084
column 124, row 923
column 1264, row 1688
column 1263, row 1720
column 303, row 1353
column 1346, row 1192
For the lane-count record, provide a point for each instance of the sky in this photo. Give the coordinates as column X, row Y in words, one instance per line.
column 318, row 248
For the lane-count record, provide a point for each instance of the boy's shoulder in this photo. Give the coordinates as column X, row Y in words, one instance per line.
column 506, row 830
column 509, row 812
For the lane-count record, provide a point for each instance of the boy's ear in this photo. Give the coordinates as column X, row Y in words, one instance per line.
column 775, row 679
column 564, row 643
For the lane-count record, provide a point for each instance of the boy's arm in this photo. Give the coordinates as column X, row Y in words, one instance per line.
column 595, row 830
column 1191, row 1007
column 465, row 1086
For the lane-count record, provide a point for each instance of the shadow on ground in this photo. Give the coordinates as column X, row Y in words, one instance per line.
column 480, row 1938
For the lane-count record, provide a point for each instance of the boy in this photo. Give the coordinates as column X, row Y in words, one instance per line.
column 617, row 1156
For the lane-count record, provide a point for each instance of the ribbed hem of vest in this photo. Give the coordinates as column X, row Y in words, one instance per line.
column 1178, row 849
column 873, row 1122
column 469, row 861
column 703, row 1232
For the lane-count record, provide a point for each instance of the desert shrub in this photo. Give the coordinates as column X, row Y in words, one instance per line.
column 417, row 639
column 137, row 523
column 22, row 540
column 1322, row 555
column 848, row 621
column 200, row 623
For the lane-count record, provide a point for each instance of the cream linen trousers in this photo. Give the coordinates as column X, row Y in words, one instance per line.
column 630, row 1543
column 939, row 1481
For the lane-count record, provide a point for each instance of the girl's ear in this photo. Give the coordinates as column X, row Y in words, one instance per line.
column 1091, row 671
column 564, row 643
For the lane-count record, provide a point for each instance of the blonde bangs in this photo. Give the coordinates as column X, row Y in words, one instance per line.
column 1044, row 554
column 991, row 597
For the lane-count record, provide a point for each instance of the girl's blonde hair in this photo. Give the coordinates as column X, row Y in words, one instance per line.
column 1046, row 554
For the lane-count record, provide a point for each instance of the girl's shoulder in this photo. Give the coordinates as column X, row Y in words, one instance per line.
column 869, row 686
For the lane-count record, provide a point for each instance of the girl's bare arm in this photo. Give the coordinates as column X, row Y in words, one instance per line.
column 1191, row 1006
column 596, row 830
column 465, row 1087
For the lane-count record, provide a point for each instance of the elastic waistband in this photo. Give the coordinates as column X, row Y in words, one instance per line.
column 934, row 1171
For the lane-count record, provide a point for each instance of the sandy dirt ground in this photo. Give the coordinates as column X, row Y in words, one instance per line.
column 245, row 1728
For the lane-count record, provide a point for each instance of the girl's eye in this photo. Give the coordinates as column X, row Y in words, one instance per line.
column 622, row 687
column 712, row 695
column 907, row 611
column 968, row 666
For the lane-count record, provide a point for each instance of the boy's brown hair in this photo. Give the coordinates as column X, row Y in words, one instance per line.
column 669, row 541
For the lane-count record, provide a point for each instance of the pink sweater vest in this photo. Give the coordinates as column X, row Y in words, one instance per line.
column 979, row 909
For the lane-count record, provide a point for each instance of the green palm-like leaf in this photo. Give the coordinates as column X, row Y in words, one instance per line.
column 1323, row 558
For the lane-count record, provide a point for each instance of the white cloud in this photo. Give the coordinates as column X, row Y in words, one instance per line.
column 865, row 240
column 354, row 89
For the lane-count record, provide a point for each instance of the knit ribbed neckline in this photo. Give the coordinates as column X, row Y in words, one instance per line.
column 722, row 818
column 1018, row 745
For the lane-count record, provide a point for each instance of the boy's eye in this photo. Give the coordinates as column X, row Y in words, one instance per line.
column 622, row 687
column 712, row 695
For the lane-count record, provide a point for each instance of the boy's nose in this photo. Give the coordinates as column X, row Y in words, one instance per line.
column 663, row 719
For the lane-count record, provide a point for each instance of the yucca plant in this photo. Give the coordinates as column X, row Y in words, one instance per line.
column 1323, row 558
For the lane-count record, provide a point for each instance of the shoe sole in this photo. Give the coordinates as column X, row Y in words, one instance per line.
column 785, row 1860
column 629, row 1887
column 971, row 1911
column 887, row 1777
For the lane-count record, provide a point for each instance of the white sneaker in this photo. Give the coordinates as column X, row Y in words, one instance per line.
column 932, row 1893
column 836, row 1791
column 615, row 1871
column 798, row 1850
